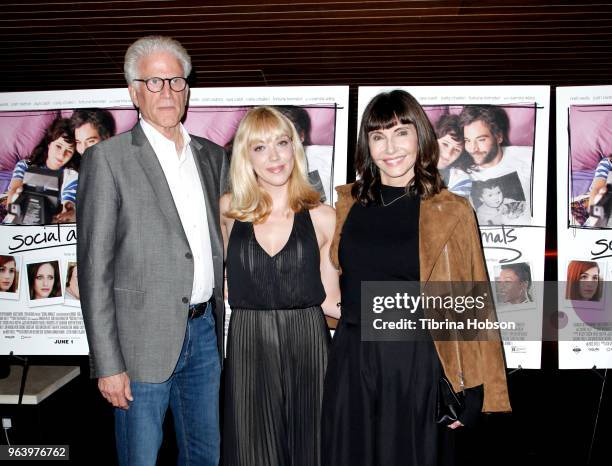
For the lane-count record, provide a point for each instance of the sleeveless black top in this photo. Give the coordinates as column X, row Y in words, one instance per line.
column 291, row 279
column 378, row 243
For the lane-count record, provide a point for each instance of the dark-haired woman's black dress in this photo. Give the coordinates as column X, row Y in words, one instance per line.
column 380, row 396
column 276, row 351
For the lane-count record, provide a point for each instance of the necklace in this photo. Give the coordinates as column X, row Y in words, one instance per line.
column 382, row 199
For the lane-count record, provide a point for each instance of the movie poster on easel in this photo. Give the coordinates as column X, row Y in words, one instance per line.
column 584, row 223
column 43, row 137
column 493, row 144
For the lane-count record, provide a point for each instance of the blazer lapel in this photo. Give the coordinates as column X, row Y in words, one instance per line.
column 153, row 170
column 436, row 225
column 211, row 195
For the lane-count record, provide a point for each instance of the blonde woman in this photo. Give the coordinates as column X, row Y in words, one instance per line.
column 280, row 281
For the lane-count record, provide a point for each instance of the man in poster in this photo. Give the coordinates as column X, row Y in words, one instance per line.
column 91, row 125
column 485, row 132
column 150, row 263
column 515, row 283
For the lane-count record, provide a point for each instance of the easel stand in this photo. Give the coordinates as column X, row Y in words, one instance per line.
column 514, row 371
column 603, row 378
column 25, row 363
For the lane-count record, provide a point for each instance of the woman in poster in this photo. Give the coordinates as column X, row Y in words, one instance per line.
column 279, row 275
column 44, row 280
column 319, row 158
column 56, row 152
column 9, row 276
column 397, row 223
column 72, row 282
column 453, row 162
column 583, row 281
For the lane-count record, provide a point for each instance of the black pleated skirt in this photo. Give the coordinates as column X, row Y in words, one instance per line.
column 379, row 403
column 274, row 373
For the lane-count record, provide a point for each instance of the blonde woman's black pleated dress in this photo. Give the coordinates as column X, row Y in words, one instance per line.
column 277, row 349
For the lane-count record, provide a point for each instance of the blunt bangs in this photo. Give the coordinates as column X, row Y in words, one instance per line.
column 265, row 125
column 388, row 111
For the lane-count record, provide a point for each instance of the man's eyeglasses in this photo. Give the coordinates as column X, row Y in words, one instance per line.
column 177, row 84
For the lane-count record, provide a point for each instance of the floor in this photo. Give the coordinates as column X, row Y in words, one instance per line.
column 552, row 422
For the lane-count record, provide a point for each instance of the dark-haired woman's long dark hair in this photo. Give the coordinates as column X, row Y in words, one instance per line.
column 383, row 112
column 60, row 128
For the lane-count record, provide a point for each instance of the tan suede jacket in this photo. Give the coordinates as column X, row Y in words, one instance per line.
column 450, row 250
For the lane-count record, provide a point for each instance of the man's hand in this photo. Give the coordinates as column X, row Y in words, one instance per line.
column 116, row 389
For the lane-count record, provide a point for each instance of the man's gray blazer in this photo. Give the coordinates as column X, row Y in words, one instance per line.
column 135, row 265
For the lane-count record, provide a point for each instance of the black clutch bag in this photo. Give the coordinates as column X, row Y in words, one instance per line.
column 449, row 404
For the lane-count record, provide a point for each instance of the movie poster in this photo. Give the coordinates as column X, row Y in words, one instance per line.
column 584, row 223
column 39, row 293
column 493, row 144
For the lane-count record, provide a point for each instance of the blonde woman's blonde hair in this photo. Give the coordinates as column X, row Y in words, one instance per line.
column 249, row 201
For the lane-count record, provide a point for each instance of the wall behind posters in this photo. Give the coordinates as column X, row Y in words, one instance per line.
column 39, row 303
column 584, row 150
column 513, row 229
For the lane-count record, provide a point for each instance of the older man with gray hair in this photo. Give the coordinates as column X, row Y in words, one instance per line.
column 150, row 261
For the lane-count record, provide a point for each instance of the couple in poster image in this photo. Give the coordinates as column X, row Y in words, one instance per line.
column 60, row 151
column 150, row 202
column 477, row 161
column 55, row 152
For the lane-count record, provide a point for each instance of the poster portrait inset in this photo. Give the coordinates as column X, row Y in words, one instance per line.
column 72, row 296
column 500, row 201
column 10, row 268
column 44, row 283
column 585, row 290
column 514, row 288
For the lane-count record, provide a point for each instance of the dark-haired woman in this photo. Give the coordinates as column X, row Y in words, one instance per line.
column 44, row 280
column 56, row 152
column 72, row 282
column 397, row 223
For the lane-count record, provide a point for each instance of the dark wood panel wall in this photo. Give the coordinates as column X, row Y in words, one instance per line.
column 59, row 44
